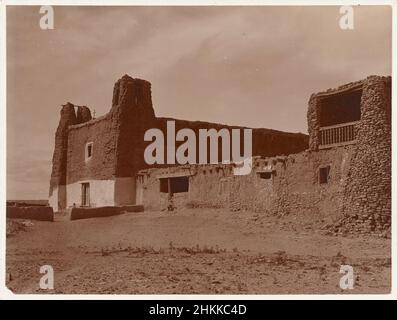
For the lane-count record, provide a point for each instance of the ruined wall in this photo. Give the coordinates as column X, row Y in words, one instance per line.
column 69, row 115
column 133, row 113
column 294, row 187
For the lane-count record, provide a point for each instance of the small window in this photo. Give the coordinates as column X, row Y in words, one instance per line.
column 88, row 150
column 265, row 175
column 324, row 174
column 179, row 184
column 174, row 184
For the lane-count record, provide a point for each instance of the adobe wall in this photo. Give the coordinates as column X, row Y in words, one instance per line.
column 265, row 142
column 118, row 146
column 42, row 213
column 358, row 191
column 133, row 110
column 69, row 115
column 294, row 188
column 102, row 164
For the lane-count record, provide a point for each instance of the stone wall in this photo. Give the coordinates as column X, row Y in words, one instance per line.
column 367, row 200
column 367, row 197
column 314, row 110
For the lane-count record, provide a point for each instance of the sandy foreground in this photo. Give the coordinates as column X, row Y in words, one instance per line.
column 201, row 251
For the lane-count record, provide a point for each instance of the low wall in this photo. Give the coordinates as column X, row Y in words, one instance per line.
column 32, row 213
column 99, row 212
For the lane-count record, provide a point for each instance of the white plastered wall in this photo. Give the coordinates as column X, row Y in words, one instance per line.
column 101, row 193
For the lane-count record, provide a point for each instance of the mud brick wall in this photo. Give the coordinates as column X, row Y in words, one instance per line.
column 68, row 116
column 359, row 184
column 265, row 142
column 133, row 114
column 102, row 164
column 118, row 137
column 367, row 200
column 293, row 189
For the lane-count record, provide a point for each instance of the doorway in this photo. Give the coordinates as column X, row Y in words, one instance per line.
column 85, row 194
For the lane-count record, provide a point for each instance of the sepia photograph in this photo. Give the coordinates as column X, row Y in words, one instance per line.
column 198, row 150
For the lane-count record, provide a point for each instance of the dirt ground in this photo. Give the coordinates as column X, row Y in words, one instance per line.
column 201, row 251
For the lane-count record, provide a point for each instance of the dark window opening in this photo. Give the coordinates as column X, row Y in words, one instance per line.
column 174, row 184
column 89, row 150
column 265, row 175
column 324, row 174
column 164, row 185
column 340, row 108
column 179, row 184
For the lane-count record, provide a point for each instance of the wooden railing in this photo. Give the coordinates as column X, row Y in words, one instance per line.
column 340, row 134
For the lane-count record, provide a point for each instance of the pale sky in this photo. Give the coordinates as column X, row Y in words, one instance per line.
column 252, row 66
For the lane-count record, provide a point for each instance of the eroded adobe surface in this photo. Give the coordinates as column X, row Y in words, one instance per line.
column 118, row 137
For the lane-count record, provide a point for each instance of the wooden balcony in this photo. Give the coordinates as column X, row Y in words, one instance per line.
column 338, row 135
